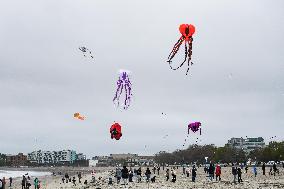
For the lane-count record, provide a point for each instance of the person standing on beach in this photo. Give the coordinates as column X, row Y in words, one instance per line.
column 158, row 170
column 263, row 168
column 1, row 184
column 239, row 172
column 118, row 175
column 174, row 176
column 154, row 169
column 187, row 171
column 148, row 174
column 211, row 171
column 275, row 169
column 254, row 170
column 167, row 174
column 124, row 174
column 24, row 181
column 130, row 175
column 218, row 172
column 67, row 177
column 11, row 180
column 193, row 173
column 36, row 183
column 79, row 177
column 234, row 172
column 74, row 181
column 139, row 173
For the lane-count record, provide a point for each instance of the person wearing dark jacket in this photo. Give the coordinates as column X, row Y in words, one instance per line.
column 139, row 173
column 124, row 175
column 11, row 180
column 24, row 182
column 193, row 173
column 234, row 172
column 239, row 172
column 211, row 171
column 148, row 174
column 130, row 175
column 275, row 169
column 167, row 174
column 263, row 168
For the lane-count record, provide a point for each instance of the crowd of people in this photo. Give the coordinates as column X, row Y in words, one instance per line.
column 124, row 175
column 26, row 182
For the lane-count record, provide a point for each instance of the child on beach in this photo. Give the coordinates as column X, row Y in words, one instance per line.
column 218, row 172
column 254, row 170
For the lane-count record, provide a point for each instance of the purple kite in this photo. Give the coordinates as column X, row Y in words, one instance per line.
column 123, row 84
column 194, row 127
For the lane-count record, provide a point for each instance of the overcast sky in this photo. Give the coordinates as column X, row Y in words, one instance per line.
column 235, row 88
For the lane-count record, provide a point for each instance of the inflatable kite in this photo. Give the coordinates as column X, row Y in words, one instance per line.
column 86, row 52
column 115, row 131
column 123, row 85
column 194, row 127
column 186, row 30
column 78, row 116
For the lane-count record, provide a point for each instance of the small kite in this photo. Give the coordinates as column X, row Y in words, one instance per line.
column 79, row 116
column 115, row 131
column 186, row 30
column 86, row 52
column 123, row 85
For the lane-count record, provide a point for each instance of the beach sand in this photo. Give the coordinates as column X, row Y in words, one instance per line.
column 249, row 181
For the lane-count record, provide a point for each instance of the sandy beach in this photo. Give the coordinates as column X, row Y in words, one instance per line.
column 183, row 182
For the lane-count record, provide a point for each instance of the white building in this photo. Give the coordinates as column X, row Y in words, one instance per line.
column 247, row 144
column 52, row 157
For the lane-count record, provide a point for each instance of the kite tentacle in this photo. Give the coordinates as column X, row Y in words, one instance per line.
column 128, row 93
column 118, row 92
column 175, row 49
column 185, row 57
column 119, row 83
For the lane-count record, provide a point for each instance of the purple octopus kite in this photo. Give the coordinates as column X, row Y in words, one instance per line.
column 123, row 84
column 194, row 127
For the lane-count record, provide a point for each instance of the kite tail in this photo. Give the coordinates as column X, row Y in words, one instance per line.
column 189, row 53
column 117, row 96
column 200, row 131
column 185, row 57
column 188, row 130
column 175, row 49
column 117, row 91
column 126, row 102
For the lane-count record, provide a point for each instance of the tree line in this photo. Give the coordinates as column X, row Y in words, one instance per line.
column 274, row 151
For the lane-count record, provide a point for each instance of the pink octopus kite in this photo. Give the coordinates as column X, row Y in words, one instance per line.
column 194, row 127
